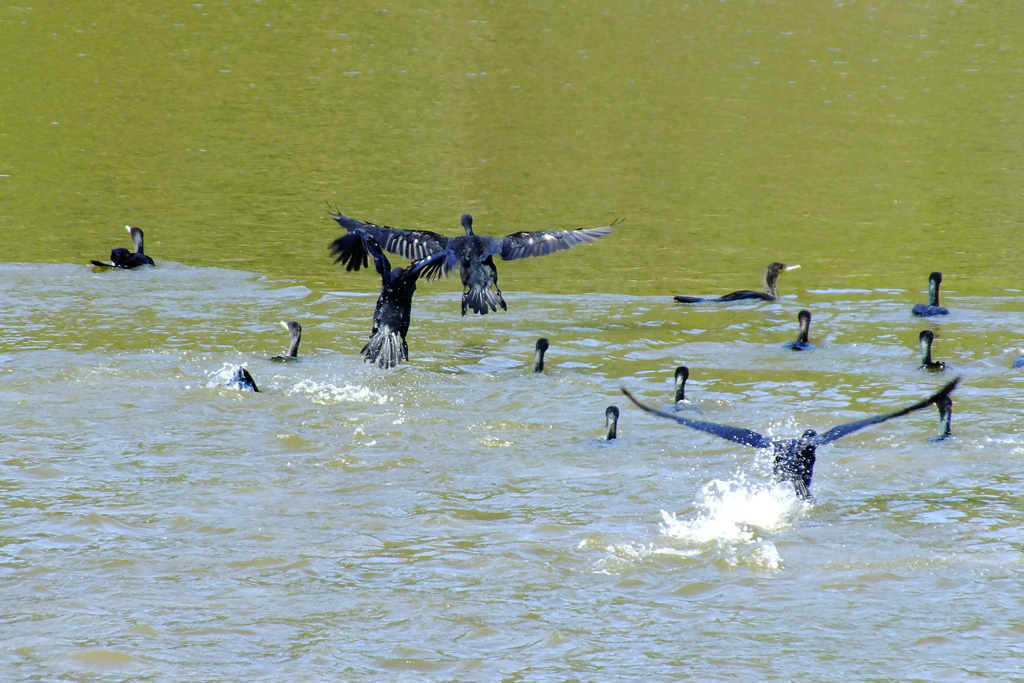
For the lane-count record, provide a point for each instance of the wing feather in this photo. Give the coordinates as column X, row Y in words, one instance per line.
column 735, row 434
column 412, row 244
column 842, row 430
column 542, row 243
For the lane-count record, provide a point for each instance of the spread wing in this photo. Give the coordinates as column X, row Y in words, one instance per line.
column 736, row 434
column 412, row 244
column 542, row 243
column 435, row 266
column 849, row 428
column 354, row 248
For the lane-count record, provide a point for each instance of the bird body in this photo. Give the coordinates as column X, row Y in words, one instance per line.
column 933, row 307
column 771, row 275
column 242, row 380
column 122, row 258
column 387, row 346
column 792, row 459
column 801, row 343
column 474, row 254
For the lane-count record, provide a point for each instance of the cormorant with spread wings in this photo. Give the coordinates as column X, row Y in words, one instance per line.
column 473, row 253
column 793, row 459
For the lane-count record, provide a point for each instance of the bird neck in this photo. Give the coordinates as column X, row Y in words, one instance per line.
column 933, row 292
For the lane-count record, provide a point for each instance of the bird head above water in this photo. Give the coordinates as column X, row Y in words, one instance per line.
column 467, row 223
column 611, row 422
column 540, row 348
column 771, row 275
column 682, row 374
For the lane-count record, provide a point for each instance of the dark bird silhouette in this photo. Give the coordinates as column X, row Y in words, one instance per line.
column 611, row 423
column 295, row 330
column 242, row 380
column 926, row 338
column 771, row 275
column 473, row 253
column 1019, row 363
column 538, row 358
column 933, row 307
column 793, row 459
column 122, row 258
column 801, row 343
column 387, row 346
column 679, row 401
column 945, row 406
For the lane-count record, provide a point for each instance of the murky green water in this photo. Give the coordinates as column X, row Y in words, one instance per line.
column 458, row 519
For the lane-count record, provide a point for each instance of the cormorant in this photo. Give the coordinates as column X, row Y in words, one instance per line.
column 680, row 402
column 801, row 343
column 611, row 423
column 945, row 406
column 242, row 380
column 926, row 338
column 1019, row 363
column 387, row 347
column 793, row 459
column 295, row 330
column 474, row 253
column 122, row 258
column 538, row 358
column 771, row 274
column 933, row 307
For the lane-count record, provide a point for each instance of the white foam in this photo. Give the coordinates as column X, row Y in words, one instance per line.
column 325, row 393
column 731, row 512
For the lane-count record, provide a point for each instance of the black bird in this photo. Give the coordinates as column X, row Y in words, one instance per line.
column 801, row 343
column 611, row 423
column 1019, row 363
column 793, row 459
column 387, row 347
column 242, row 380
column 771, row 274
column 680, row 402
column 926, row 338
column 122, row 258
column 945, row 406
column 295, row 330
column 933, row 307
column 473, row 253
column 539, row 350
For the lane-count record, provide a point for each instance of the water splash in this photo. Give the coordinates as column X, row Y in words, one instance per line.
column 325, row 393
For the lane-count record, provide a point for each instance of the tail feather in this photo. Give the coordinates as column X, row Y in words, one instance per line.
column 480, row 300
column 386, row 348
column 689, row 299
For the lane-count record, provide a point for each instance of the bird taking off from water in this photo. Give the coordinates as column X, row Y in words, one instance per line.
column 474, row 254
column 387, row 346
column 793, row 459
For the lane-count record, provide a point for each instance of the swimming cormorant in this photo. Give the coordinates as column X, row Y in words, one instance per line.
column 801, row 343
column 793, row 459
column 771, row 274
column 122, row 258
column 926, row 338
column 679, row 401
column 1019, row 363
column 611, row 423
column 933, row 307
column 387, row 347
column 539, row 350
column 242, row 380
column 474, row 253
column 295, row 330
column 945, row 406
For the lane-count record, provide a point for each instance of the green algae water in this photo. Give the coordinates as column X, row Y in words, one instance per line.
column 460, row 518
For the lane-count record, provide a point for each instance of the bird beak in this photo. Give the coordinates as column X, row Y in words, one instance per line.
column 789, row 268
column 284, row 325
